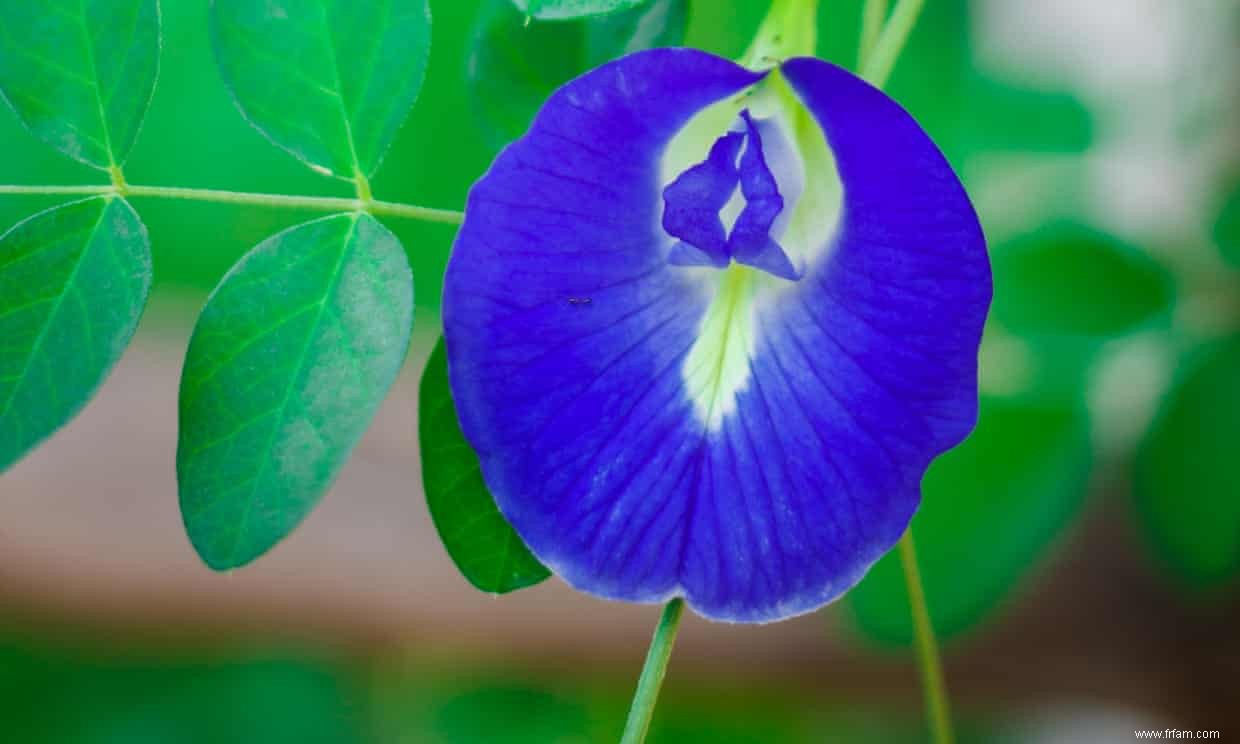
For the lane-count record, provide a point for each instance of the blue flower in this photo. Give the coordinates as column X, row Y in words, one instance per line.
column 707, row 328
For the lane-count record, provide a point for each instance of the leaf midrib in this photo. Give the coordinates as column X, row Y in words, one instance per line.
column 243, row 521
column 94, row 71
column 344, row 108
column 55, row 310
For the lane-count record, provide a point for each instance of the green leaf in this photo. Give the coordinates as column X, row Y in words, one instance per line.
column 292, row 356
column 989, row 509
column 80, row 74
column 1227, row 227
column 548, row 10
column 331, row 81
column 73, row 282
column 91, row 693
column 516, row 65
column 1065, row 291
column 481, row 542
column 1005, row 117
column 487, row 713
column 1068, row 280
column 1187, row 489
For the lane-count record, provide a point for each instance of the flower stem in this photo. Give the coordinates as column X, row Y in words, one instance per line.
column 932, row 682
column 642, row 709
column 878, row 53
column 872, row 18
column 881, row 59
column 325, row 203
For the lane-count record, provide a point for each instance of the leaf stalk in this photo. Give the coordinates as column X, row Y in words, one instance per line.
column 290, row 201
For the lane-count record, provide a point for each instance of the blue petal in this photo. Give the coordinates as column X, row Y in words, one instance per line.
column 692, row 203
column 587, row 416
column 751, row 242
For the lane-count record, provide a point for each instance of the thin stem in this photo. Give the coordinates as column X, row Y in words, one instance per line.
column 882, row 58
column 642, row 709
column 932, row 681
column 325, row 203
column 414, row 212
column 872, row 18
column 117, row 176
column 244, row 197
column 58, row 190
column 877, row 59
column 362, row 185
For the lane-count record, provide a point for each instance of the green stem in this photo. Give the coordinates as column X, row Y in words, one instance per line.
column 872, row 18
column 642, row 709
column 117, row 176
column 362, row 184
column 325, row 203
column 879, row 52
column 882, row 58
column 932, row 681
column 79, row 190
column 789, row 29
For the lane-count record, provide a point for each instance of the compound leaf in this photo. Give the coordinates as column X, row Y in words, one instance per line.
column 288, row 363
column 480, row 541
column 73, row 282
column 331, row 81
column 80, row 74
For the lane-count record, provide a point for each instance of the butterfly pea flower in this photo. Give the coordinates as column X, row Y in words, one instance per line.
column 707, row 327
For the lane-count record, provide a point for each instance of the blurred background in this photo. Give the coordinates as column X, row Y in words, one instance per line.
column 1080, row 551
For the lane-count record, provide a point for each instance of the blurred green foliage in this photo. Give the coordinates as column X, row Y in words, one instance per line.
column 1075, row 282
column 93, row 694
column 455, row 705
column 77, row 692
column 528, row 61
column 989, row 507
column 511, row 713
column 966, row 110
column 1063, row 292
column 1188, row 495
column 1227, row 226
